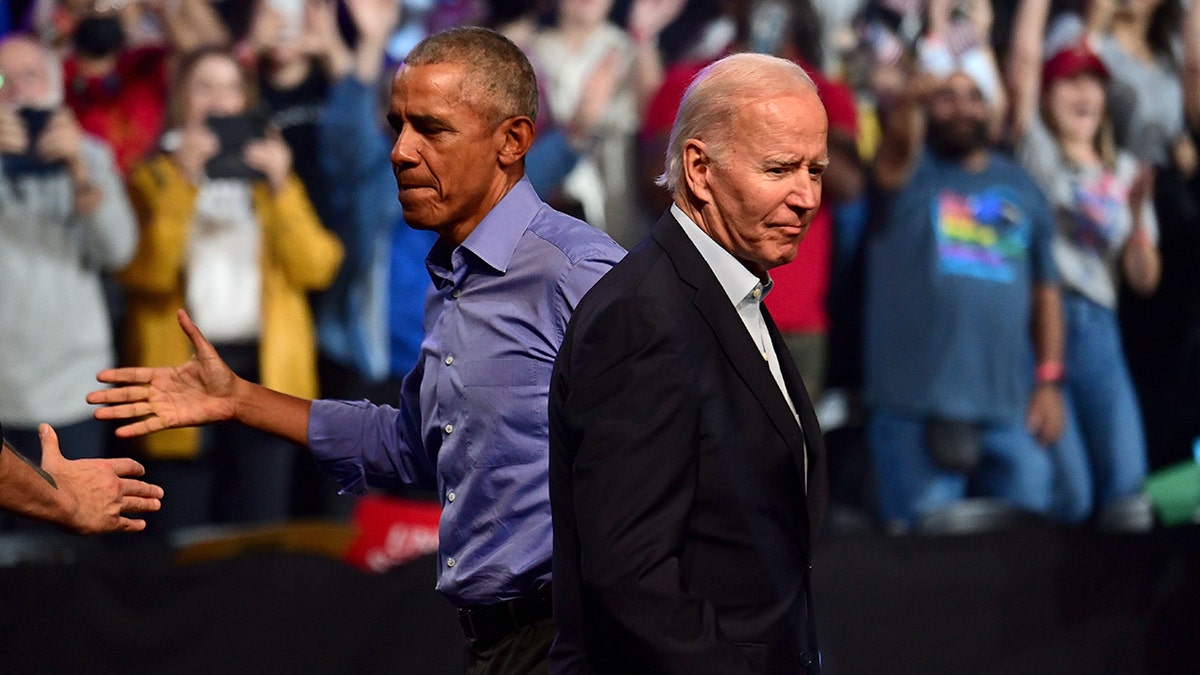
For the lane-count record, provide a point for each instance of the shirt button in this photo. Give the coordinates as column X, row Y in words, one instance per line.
column 756, row 293
column 450, row 497
column 455, row 293
column 449, row 562
column 449, row 428
column 449, row 360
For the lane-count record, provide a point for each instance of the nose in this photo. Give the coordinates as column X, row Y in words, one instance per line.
column 403, row 151
column 805, row 194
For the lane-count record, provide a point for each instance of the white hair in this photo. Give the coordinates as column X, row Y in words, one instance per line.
column 716, row 93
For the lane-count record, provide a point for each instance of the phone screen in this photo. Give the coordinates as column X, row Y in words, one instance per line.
column 233, row 133
column 28, row 162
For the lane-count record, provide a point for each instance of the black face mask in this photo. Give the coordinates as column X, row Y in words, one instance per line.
column 99, row 36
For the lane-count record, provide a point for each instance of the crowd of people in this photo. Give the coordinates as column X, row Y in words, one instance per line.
column 1001, row 281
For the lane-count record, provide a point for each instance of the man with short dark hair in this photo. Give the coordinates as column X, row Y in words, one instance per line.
column 686, row 465
column 507, row 272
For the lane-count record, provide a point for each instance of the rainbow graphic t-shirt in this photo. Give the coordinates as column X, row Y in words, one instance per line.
column 983, row 235
column 951, row 269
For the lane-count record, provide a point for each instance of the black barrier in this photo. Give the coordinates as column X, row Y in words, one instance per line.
column 1037, row 600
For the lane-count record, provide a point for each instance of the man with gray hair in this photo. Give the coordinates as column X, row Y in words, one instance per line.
column 64, row 221
column 507, row 272
column 687, row 473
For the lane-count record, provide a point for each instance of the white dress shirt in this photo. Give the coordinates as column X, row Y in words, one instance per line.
column 746, row 292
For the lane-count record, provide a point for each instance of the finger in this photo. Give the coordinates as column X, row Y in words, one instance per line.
column 131, row 487
column 124, row 466
column 125, row 411
column 129, row 394
column 130, row 525
column 200, row 343
column 255, row 154
column 146, row 426
column 132, row 375
column 49, row 439
column 139, row 505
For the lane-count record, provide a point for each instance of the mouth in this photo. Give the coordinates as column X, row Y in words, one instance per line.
column 791, row 229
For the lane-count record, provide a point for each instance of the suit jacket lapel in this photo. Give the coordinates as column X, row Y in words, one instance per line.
column 713, row 304
column 814, row 444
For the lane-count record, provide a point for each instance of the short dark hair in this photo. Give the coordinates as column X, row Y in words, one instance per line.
column 499, row 76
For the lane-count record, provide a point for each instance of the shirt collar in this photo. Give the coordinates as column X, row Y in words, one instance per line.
column 495, row 238
column 738, row 282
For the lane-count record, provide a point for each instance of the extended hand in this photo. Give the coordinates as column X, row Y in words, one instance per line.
column 97, row 492
column 199, row 391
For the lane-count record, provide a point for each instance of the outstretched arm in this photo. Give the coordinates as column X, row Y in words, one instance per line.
column 84, row 496
column 200, row 391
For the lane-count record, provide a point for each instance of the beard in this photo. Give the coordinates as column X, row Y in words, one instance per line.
column 955, row 139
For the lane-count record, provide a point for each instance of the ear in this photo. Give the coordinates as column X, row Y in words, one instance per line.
column 516, row 135
column 697, row 170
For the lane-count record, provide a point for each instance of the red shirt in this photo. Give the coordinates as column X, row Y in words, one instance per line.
column 127, row 108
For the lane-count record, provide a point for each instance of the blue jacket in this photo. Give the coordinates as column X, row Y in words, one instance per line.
column 371, row 318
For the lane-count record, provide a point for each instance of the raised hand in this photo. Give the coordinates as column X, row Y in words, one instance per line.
column 96, row 493
column 199, row 391
column 374, row 19
column 602, row 85
column 272, row 156
column 197, row 145
column 648, row 18
column 62, row 137
column 14, row 137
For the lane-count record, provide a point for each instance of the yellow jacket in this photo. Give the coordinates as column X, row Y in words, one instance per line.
column 298, row 256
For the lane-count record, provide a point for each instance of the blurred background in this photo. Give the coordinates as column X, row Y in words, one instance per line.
column 934, row 559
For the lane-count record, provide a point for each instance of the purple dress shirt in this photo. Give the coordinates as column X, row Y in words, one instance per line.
column 472, row 418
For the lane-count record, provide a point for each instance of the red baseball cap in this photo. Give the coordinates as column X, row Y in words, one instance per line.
column 1070, row 62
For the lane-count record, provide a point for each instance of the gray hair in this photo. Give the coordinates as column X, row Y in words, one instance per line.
column 713, row 97
column 500, row 78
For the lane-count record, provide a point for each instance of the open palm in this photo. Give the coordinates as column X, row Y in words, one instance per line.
column 199, row 391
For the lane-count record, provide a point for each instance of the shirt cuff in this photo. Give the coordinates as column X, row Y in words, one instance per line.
column 334, row 439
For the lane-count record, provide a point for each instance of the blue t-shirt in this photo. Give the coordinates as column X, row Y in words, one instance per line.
column 949, row 287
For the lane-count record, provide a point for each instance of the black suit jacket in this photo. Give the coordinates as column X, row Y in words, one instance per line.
column 682, row 531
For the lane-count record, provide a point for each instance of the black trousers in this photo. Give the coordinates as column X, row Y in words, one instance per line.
column 525, row 650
